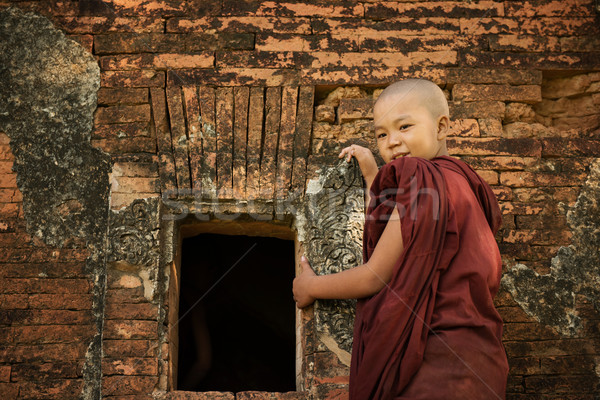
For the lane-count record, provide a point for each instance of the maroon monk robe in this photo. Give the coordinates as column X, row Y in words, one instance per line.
column 433, row 332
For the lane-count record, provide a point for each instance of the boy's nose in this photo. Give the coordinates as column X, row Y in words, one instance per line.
column 395, row 139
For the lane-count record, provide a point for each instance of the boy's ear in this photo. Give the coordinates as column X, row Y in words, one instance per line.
column 443, row 127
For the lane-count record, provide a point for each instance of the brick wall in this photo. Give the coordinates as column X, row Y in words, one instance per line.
column 524, row 90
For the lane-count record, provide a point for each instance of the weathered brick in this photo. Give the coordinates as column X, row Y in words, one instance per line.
column 271, row 135
column 562, row 384
column 129, row 348
column 494, row 147
column 219, row 41
column 240, row 133
column 476, row 109
column 283, row 180
column 579, row 43
column 179, row 139
column 394, row 42
column 43, row 353
column 296, row 25
column 122, row 114
column 194, row 128
column 534, row 179
column 129, row 366
column 209, row 141
column 139, row 43
column 255, row 128
column 523, row 93
column 120, row 131
column 166, row 163
column 4, row 373
column 359, row 59
column 86, row 41
column 53, row 333
column 130, row 329
column 548, row 8
column 126, row 184
column 256, row 59
column 121, row 385
column 332, row 8
column 451, row 9
column 224, row 131
column 120, row 96
column 569, row 147
column 102, row 24
column 44, row 285
column 567, row 364
column 138, row 144
column 138, row 78
column 157, row 61
column 305, row 43
column 165, row 8
column 351, row 109
column 556, row 60
column 526, row 43
column 494, row 76
column 60, row 301
column 486, row 26
column 410, row 26
column 464, row 128
column 43, row 370
column 10, row 391
column 13, row 301
column 135, row 169
column 139, row 311
column 52, row 388
column 234, row 77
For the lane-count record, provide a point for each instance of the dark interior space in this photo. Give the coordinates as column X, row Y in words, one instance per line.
column 238, row 327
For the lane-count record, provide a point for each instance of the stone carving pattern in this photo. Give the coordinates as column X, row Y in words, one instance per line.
column 133, row 233
column 335, row 221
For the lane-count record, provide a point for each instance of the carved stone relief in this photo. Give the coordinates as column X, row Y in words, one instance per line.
column 331, row 226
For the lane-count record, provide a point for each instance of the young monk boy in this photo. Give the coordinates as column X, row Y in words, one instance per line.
column 425, row 326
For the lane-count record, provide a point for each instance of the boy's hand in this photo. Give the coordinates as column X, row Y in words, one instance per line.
column 301, row 285
column 365, row 158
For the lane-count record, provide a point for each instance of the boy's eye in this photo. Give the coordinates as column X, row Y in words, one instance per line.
column 402, row 127
column 380, row 135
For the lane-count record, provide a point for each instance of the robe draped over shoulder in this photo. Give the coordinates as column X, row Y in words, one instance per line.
column 432, row 332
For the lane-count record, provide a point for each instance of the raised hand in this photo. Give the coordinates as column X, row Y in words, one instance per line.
column 365, row 158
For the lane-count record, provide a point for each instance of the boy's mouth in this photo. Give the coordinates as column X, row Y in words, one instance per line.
column 398, row 155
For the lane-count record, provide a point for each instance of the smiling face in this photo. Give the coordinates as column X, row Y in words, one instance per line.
column 405, row 126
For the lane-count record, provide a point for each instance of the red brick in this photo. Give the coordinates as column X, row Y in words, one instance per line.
column 494, row 147
column 43, row 371
column 293, row 9
column 255, row 128
column 122, row 114
column 112, row 385
column 10, row 391
column 8, row 181
column 121, row 96
column 125, row 329
column 351, row 109
column 464, row 128
column 271, row 134
column 526, row 43
column 410, row 26
column 289, row 103
column 46, row 268
column 60, row 301
column 178, row 138
column 10, row 195
column 561, row 147
column 138, row 78
column 126, row 145
column 451, row 9
column 53, row 334
column 166, row 8
column 14, row 301
column 323, row 59
column 125, row 296
column 45, row 317
column 166, row 164
column 129, row 348
column 120, row 131
column 101, row 24
column 535, row 179
column 524, row 93
column 520, row 208
column 157, row 61
column 240, row 134
column 208, row 167
column 296, row 25
column 43, row 285
column 194, row 130
column 4, row 373
column 491, row 177
column 494, row 76
column 129, row 366
column 138, row 43
column 548, row 8
column 6, row 153
column 52, row 389
column 256, row 59
column 44, row 353
column 139, row 311
column 224, row 131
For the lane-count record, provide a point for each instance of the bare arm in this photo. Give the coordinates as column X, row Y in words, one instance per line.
column 361, row 281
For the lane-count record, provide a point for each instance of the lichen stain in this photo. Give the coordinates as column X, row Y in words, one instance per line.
column 575, row 270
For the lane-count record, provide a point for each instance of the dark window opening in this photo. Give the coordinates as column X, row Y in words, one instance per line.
column 240, row 334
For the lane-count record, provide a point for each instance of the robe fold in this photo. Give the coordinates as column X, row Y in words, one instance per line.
column 432, row 332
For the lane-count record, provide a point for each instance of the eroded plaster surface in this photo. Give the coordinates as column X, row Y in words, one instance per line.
column 48, row 86
column 551, row 298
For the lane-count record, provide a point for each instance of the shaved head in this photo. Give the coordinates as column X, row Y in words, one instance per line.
column 424, row 92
